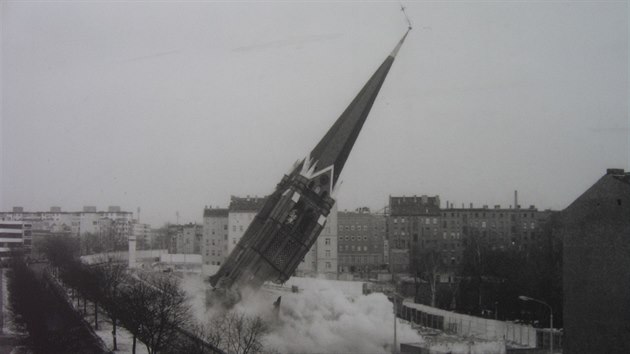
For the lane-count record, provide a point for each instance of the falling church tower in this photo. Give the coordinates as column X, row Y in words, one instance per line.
column 293, row 216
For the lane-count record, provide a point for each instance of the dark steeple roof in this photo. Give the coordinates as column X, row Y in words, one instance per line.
column 335, row 146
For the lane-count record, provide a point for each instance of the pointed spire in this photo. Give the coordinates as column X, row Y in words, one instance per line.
column 335, row 146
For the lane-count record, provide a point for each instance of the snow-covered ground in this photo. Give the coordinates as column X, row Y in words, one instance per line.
column 104, row 331
column 123, row 337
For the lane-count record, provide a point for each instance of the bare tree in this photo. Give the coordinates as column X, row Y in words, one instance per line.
column 426, row 265
column 132, row 307
column 236, row 332
column 60, row 250
column 170, row 312
column 110, row 275
column 154, row 308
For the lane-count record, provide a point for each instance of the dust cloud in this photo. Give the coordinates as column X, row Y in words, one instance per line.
column 317, row 320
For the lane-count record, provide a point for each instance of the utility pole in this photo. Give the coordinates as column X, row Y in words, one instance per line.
column 395, row 350
column 527, row 298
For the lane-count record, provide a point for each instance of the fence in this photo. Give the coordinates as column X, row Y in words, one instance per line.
column 465, row 325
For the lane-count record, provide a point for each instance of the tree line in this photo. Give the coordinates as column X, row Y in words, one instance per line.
column 153, row 308
column 51, row 324
column 489, row 280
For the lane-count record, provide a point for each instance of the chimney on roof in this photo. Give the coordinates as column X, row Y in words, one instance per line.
column 497, row 206
column 89, row 209
column 485, row 207
column 55, row 209
column 18, row 209
column 516, row 199
column 471, row 205
column 113, row 209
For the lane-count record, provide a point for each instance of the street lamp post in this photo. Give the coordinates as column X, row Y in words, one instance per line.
column 395, row 335
column 527, row 298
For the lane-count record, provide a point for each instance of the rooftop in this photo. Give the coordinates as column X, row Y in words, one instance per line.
column 207, row 212
column 247, row 203
column 414, row 205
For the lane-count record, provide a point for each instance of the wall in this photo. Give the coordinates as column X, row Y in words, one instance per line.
column 596, row 268
column 465, row 325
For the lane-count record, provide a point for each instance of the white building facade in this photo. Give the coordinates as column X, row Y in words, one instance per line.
column 241, row 213
column 322, row 258
column 214, row 245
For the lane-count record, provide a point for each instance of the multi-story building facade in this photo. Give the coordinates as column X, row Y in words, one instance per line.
column 192, row 235
column 98, row 230
column 142, row 234
column 412, row 221
column 241, row 213
column 54, row 221
column 12, row 237
column 417, row 225
column 214, row 245
column 75, row 223
column 498, row 228
column 185, row 239
column 322, row 258
column 160, row 238
column 361, row 241
column 174, row 232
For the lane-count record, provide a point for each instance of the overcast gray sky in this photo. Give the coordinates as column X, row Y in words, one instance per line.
column 172, row 105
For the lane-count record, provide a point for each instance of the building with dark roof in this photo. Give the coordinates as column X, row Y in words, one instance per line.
column 414, row 205
column 418, row 224
column 247, row 204
column 596, row 267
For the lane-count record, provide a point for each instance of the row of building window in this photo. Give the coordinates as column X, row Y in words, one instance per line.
column 426, row 221
column 352, row 227
column 353, row 248
column 355, row 238
column 368, row 259
column 218, row 253
column 483, row 215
